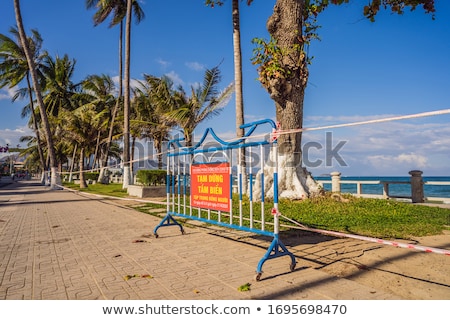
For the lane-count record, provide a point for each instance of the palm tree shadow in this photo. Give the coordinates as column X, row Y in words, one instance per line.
column 324, row 251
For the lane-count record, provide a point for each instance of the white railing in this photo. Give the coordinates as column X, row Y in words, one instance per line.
column 438, row 183
column 416, row 182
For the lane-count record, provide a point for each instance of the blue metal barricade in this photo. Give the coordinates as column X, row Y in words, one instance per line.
column 201, row 178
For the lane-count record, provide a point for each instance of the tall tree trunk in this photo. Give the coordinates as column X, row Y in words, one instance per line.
column 126, row 106
column 55, row 182
column 238, row 69
column 103, row 178
column 239, row 100
column 72, row 163
column 83, row 184
column 285, row 26
column 158, row 148
column 133, row 145
column 36, row 130
column 97, row 144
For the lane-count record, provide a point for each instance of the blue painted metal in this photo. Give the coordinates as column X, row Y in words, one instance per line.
column 276, row 248
column 167, row 221
column 226, row 225
column 275, row 188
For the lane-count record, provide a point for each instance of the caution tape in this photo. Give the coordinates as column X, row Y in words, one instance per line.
column 276, row 133
column 376, row 240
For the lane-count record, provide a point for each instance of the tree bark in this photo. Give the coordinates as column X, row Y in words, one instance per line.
column 97, row 144
column 55, row 182
column 285, row 26
column 239, row 100
column 288, row 91
column 36, row 130
column 83, row 184
column 238, row 69
column 126, row 108
column 103, row 178
column 72, row 164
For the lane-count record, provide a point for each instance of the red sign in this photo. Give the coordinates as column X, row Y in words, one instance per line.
column 210, row 186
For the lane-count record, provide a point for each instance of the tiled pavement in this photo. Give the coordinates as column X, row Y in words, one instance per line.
column 69, row 246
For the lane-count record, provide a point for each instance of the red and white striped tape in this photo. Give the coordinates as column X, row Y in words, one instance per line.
column 387, row 242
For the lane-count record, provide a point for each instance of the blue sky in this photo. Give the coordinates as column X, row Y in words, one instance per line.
column 398, row 65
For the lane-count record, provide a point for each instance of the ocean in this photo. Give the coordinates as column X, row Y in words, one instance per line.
column 401, row 190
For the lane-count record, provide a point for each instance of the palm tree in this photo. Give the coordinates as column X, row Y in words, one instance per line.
column 118, row 10
column 205, row 101
column 55, row 177
column 153, row 98
column 239, row 98
column 98, row 91
column 14, row 68
column 31, row 153
column 60, row 94
column 59, row 87
column 126, row 101
column 82, row 127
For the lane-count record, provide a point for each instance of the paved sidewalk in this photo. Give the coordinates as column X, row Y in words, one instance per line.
column 67, row 246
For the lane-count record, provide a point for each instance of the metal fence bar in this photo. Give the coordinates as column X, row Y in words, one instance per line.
column 250, row 188
column 263, row 222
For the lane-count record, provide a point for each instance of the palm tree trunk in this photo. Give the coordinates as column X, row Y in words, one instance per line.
column 238, row 69
column 126, row 108
column 158, row 147
column 72, row 162
column 82, row 180
column 133, row 145
column 94, row 159
column 55, row 177
column 238, row 87
column 36, row 129
column 102, row 178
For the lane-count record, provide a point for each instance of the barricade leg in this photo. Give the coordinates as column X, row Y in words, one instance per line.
column 167, row 221
column 276, row 249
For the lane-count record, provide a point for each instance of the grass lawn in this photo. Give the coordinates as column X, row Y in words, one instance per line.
column 370, row 217
column 112, row 189
column 366, row 217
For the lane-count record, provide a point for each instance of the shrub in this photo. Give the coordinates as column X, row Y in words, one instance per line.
column 151, row 177
column 91, row 175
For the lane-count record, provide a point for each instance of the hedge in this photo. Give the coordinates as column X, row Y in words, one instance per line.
column 151, row 177
column 91, row 175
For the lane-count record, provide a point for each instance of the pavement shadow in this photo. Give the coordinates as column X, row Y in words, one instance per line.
column 321, row 245
column 24, row 202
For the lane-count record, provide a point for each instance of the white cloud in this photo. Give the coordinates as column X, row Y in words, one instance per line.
column 7, row 93
column 319, row 121
column 175, row 77
column 404, row 160
column 133, row 82
column 163, row 63
column 195, row 85
column 196, row 66
column 12, row 136
column 253, row 117
column 384, row 148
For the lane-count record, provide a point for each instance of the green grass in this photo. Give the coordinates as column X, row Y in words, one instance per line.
column 366, row 217
column 369, row 217
column 112, row 189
